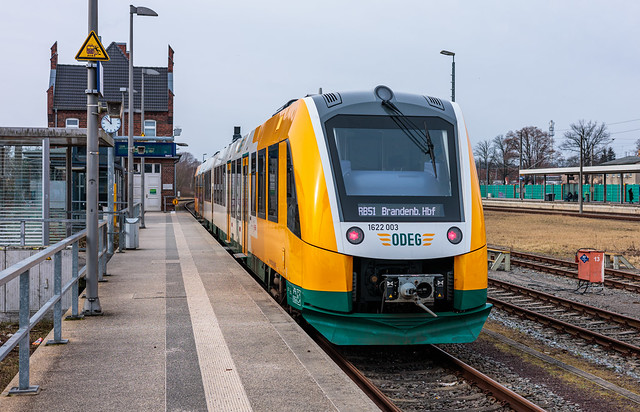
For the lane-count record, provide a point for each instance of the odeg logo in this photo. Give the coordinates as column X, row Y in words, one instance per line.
column 406, row 239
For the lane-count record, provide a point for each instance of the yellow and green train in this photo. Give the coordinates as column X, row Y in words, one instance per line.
column 360, row 210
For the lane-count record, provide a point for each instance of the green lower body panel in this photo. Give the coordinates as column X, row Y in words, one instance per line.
column 397, row 329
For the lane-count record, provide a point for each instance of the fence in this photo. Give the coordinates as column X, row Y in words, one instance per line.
column 594, row 193
column 22, row 270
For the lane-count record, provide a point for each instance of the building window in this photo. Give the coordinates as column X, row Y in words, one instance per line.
column 272, row 190
column 150, row 128
column 72, row 123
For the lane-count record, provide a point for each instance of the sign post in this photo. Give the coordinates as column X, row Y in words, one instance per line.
column 92, row 51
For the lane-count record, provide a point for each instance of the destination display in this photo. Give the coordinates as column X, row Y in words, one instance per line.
column 395, row 210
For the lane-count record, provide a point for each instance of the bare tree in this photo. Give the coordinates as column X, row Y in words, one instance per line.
column 485, row 153
column 594, row 137
column 185, row 171
column 505, row 154
column 638, row 147
column 537, row 146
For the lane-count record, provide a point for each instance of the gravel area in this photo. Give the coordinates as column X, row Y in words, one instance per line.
column 615, row 300
column 546, row 386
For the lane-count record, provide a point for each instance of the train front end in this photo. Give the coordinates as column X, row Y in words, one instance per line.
column 394, row 248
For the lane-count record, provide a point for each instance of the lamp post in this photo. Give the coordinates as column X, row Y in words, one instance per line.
column 140, row 11
column 453, row 72
column 143, row 192
column 203, row 156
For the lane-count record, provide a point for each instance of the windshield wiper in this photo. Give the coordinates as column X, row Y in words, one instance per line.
column 431, row 151
column 423, row 142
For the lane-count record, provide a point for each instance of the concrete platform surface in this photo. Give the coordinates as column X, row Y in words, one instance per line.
column 185, row 328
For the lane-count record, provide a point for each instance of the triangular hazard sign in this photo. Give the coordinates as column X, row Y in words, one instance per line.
column 92, row 49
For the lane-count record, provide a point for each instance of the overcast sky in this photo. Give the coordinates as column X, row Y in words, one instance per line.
column 518, row 63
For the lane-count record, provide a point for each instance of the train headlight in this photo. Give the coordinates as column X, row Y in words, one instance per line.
column 355, row 235
column 454, row 235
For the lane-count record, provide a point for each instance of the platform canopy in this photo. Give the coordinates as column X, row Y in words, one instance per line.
column 613, row 167
column 58, row 136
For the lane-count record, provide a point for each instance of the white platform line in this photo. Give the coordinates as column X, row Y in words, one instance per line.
column 222, row 386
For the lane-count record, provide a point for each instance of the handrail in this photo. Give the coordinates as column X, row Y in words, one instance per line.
column 27, row 322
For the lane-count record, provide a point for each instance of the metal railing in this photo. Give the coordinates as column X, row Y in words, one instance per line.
column 22, row 270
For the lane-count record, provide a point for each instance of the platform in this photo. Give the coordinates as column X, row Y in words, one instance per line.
column 185, row 328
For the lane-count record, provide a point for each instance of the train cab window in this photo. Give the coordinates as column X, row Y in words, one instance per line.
column 272, row 188
column 293, row 215
column 262, row 210
column 389, row 170
column 253, row 184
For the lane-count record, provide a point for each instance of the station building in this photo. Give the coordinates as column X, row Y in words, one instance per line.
column 67, row 108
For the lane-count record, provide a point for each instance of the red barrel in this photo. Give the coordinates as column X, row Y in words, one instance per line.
column 591, row 265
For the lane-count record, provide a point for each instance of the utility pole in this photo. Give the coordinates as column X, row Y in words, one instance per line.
column 92, row 303
column 580, row 182
column 520, row 181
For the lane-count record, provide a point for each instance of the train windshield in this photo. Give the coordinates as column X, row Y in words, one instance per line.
column 384, row 173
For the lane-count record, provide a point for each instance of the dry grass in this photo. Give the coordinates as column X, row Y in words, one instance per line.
column 562, row 235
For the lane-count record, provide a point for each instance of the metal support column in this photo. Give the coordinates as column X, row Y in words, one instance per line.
column 46, row 189
column 68, row 176
column 57, row 307
column 92, row 302
column 130, row 119
column 110, row 201
column 23, row 382
column 143, row 192
column 75, row 273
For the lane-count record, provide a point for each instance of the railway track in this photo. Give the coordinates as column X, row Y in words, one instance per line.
column 619, row 279
column 421, row 378
column 590, row 215
column 609, row 329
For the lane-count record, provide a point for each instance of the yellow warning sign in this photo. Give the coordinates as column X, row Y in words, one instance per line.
column 92, row 49
column 175, row 202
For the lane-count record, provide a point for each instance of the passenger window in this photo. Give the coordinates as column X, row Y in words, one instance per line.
column 262, row 210
column 272, row 189
column 253, row 184
column 293, row 215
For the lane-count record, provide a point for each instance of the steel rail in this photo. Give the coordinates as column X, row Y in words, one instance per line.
column 569, row 304
column 589, row 215
column 500, row 392
column 568, row 263
column 373, row 392
column 574, row 274
column 562, row 326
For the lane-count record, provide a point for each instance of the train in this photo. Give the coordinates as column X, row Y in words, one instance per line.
column 360, row 211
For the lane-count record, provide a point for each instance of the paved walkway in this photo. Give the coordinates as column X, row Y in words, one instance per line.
column 185, row 329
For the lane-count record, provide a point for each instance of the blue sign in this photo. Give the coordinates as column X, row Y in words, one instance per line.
column 584, row 258
column 147, row 149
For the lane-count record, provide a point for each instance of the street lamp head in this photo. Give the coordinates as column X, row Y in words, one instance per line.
column 151, row 72
column 447, row 53
column 142, row 11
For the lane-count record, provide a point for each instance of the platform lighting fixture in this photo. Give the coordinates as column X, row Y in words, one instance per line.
column 140, row 11
column 453, row 72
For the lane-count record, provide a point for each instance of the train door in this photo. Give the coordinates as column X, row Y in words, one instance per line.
column 245, row 203
column 229, row 198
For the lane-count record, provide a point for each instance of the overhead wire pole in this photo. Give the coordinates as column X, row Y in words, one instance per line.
column 92, row 302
